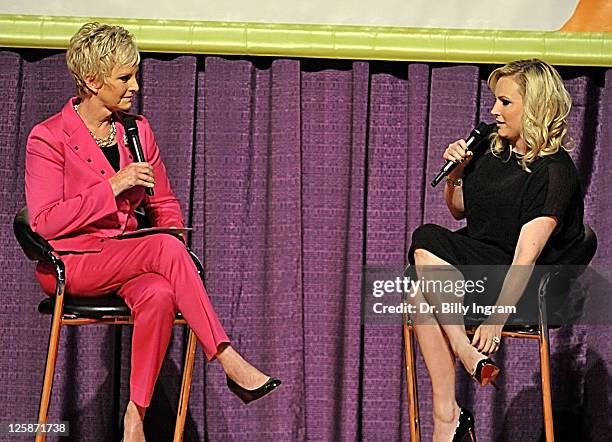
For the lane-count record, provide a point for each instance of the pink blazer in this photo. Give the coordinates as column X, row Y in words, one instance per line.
column 70, row 201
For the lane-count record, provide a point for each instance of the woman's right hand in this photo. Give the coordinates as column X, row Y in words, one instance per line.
column 134, row 174
column 459, row 153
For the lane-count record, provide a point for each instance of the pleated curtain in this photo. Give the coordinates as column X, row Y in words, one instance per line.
column 295, row 174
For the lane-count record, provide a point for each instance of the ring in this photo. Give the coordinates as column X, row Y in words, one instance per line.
column 496, row 340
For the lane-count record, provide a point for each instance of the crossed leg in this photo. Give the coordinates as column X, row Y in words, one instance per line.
column 156, row 277
column 440, row 342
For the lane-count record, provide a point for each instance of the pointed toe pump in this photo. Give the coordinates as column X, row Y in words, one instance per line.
column 252, row 395
column 465, row 426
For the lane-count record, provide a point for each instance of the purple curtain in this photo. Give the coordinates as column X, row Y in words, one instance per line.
column 295, row 174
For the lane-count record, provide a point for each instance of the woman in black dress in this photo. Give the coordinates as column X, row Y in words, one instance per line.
column 523, row 205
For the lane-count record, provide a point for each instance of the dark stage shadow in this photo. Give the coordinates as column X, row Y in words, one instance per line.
column 581, row 400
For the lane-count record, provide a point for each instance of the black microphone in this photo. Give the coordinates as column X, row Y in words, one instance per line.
column 131, row 133
column 476, row 136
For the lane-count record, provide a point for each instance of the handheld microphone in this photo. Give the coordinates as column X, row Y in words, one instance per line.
column 476, row 136
column 131, row 133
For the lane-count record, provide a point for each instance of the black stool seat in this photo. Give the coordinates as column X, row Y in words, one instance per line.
column 534, row 328
column 90, row 307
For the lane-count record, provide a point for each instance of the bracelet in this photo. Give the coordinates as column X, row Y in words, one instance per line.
column 454, row 182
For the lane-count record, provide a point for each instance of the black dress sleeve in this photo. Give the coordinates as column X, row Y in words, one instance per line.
column 548, row 192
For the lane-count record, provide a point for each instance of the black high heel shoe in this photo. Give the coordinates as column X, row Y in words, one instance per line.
column 252, row 395
column 485, row 372
column 465, row 426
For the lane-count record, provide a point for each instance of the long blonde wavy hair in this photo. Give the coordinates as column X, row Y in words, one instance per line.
column 546, row 104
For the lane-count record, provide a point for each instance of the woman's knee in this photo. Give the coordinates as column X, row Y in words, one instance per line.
column 166, row 243
column 162, row 250
column 424, row 257
column 169, row 246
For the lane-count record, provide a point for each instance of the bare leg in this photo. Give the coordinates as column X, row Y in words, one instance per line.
column 132, row 423
column 238, row 369
column 439, row 344
column 440, row 362
column 453, row 327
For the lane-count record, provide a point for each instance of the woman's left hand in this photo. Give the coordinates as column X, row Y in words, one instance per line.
column 487, row 337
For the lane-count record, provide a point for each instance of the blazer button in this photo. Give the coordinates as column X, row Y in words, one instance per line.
column 76, row 147
column 102, row 172
column 89, row 160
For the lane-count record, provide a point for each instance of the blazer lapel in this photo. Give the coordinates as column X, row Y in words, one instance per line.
column 83, row 145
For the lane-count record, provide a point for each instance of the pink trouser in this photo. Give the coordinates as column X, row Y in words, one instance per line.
column 156, row 277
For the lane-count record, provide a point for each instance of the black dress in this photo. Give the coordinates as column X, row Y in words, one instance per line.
column 499, row 198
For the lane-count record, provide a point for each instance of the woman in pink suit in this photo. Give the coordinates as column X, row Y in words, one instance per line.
column 82, row 187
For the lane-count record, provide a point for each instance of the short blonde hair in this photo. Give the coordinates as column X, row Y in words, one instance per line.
column 546, row 104
column 95, row 49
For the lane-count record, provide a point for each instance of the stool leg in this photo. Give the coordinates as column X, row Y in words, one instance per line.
column 545, row 360
column 546, row 385
column 181, row 414
column 411, row 382
column 54, row 336
column 546, row 390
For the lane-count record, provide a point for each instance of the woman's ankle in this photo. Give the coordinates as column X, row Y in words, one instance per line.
column 225, row 354
column 446, row 413
column 135, row 410
column 470, row 357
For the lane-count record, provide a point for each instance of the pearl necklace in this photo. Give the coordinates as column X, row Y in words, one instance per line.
column 107, row 141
